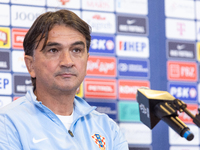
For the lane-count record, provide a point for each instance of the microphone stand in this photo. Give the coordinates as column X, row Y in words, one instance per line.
column 167, row 111
column 181, row 106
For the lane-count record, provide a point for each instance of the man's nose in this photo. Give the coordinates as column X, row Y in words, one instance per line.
column 66, row 59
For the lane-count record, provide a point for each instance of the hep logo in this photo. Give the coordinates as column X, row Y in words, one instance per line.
column 3, row 83
column 64, row 1
column 132, row 46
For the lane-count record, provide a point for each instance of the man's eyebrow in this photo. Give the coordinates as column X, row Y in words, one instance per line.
column 58, row 44
column 78, row 43
column 53, row 44
column 49, row 44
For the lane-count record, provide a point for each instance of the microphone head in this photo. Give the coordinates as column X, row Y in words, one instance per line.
column 147, row 99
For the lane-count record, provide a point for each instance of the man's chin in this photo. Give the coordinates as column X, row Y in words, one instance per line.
column 66, row 89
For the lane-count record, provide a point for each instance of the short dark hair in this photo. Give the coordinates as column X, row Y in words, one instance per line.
column 45, row 22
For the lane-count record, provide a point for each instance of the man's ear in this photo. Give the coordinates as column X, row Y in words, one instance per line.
column 29, row 65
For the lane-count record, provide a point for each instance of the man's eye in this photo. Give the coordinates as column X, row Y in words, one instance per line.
column 53, row 50
column 76, row 50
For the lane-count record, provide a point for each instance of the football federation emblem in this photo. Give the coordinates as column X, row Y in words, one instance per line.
column 100, row 141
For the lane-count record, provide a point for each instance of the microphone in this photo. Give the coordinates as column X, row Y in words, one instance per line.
column 159, row 105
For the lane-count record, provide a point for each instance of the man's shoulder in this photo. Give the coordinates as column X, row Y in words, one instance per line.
column 94, row 116
column 14, row 106
column 102, row 117
column 91, row 111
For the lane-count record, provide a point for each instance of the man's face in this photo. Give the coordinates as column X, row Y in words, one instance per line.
column 62, row 64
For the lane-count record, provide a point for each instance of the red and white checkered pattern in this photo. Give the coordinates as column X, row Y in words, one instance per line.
column 103, row 140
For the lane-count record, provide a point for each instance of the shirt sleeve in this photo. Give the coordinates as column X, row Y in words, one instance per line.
column 9, row 137
column 120, row 143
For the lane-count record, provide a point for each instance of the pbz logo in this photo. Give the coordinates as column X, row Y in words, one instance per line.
column 183, row 91
column 102, row 44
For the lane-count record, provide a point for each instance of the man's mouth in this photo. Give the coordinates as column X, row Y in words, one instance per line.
column 66, row 75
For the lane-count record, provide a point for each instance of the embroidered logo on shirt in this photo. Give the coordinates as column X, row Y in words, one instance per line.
column 100, row 141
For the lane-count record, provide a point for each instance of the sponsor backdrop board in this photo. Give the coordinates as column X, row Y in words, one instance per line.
column 134, row 43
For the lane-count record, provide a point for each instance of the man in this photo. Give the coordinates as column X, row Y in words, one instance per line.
column 51, row 117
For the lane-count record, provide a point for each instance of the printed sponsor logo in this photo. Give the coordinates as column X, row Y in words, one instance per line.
column 180, row 29
column 101, row 5
column 4, row 15
column 133, row 68
column 185, row 92
column 34, row 2
column 132, row 25
column 24, row 16
column 132, row 6
column 18, row 63
column 180, row 9
column 128, row 88
column 102, row 44
column 100, row 22
column 64, row 3
column 4, row 60
column 4, row 37
column 18, row 37
column 5, row 100
column 108, row 108
column 198, row 30
column 185, row 71
column 176, row 139
column 22, row 83
column 181, row 50
column 5, row 84
column 101, row 66
column 136, row 133
column 193, row 108
column 130, row 46
column 100, row 88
